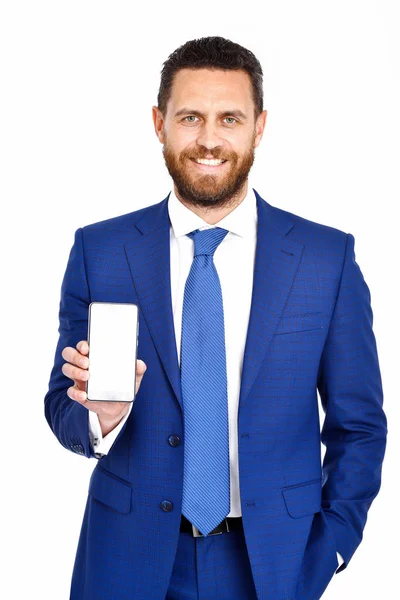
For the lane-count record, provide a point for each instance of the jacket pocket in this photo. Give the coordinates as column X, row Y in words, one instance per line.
column 304, row 322
column 303, row 499
column 111, row 491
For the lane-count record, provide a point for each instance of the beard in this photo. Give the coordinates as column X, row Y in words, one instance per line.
column 204, row 189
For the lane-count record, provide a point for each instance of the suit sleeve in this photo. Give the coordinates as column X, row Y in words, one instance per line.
column 67, row 418
column 355, row 428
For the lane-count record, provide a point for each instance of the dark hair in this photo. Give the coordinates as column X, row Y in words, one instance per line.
column 211, row 53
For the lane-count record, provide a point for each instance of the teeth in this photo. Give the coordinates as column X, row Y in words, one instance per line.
column 204, row 161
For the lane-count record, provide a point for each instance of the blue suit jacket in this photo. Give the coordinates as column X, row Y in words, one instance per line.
column 310, row 329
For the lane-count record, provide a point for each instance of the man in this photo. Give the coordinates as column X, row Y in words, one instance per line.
column 211, row 485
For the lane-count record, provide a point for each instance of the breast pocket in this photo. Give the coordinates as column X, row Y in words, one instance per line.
column 301, row 322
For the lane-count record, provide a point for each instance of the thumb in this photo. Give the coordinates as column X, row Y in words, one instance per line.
column 141, row 366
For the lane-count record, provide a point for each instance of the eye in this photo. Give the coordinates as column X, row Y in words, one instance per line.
column 233, row 120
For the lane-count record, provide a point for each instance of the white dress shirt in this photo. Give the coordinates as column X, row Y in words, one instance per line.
column 234, row 262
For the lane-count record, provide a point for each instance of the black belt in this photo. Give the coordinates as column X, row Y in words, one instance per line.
column 227, row 524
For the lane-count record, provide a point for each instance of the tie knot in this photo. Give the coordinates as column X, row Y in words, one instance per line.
column 207, row 241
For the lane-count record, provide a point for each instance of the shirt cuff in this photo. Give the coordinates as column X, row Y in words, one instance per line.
column 102, row 445
column 340, row 559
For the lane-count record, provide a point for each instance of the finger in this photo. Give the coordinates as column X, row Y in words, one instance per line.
column 82, row 347
column 75, row 357
column 75, row 373
column 67, row 352
column 76, row 394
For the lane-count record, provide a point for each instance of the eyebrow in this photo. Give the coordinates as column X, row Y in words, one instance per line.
column 223, row 113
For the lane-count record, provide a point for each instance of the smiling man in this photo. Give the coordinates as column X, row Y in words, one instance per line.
column 210, row 485
column 209, row 148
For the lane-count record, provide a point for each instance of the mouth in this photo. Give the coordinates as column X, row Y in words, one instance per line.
column 211, row 166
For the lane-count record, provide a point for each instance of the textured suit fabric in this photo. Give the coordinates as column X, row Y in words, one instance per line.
column 211, row 568
column 310, row 329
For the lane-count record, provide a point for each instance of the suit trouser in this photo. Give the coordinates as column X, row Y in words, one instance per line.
column 215, row 567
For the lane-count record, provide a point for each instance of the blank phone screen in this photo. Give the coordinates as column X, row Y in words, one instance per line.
column 112, row 338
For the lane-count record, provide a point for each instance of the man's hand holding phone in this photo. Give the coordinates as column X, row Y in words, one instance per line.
column 76, row 368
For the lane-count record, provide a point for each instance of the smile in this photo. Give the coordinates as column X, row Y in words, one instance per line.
column 208, row 165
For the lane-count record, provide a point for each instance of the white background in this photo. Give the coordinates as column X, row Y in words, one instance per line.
column 78, row 82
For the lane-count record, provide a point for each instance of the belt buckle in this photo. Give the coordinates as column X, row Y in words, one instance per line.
column 196, row 532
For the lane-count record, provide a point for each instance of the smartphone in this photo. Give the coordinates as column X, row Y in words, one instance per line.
column 113, row 336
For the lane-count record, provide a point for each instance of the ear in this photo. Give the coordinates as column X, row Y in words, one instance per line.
column 158, row 121
column 259, row 127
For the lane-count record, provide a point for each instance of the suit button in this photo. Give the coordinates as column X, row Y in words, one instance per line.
column 78, row 448
column 166, row 505
column 174, row 440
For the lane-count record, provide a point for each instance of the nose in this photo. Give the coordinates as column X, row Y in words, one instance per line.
column 208, row 137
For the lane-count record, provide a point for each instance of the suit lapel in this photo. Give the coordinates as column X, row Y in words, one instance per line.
column 148, row 255
column 276, row 263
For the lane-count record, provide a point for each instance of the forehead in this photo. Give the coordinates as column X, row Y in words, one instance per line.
column 209, row 88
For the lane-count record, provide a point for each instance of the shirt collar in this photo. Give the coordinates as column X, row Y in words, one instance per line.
column 241, row 221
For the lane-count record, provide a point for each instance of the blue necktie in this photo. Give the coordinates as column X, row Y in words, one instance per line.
column 206, row 472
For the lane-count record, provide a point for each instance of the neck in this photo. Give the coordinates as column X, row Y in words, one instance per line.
column 213, row 215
